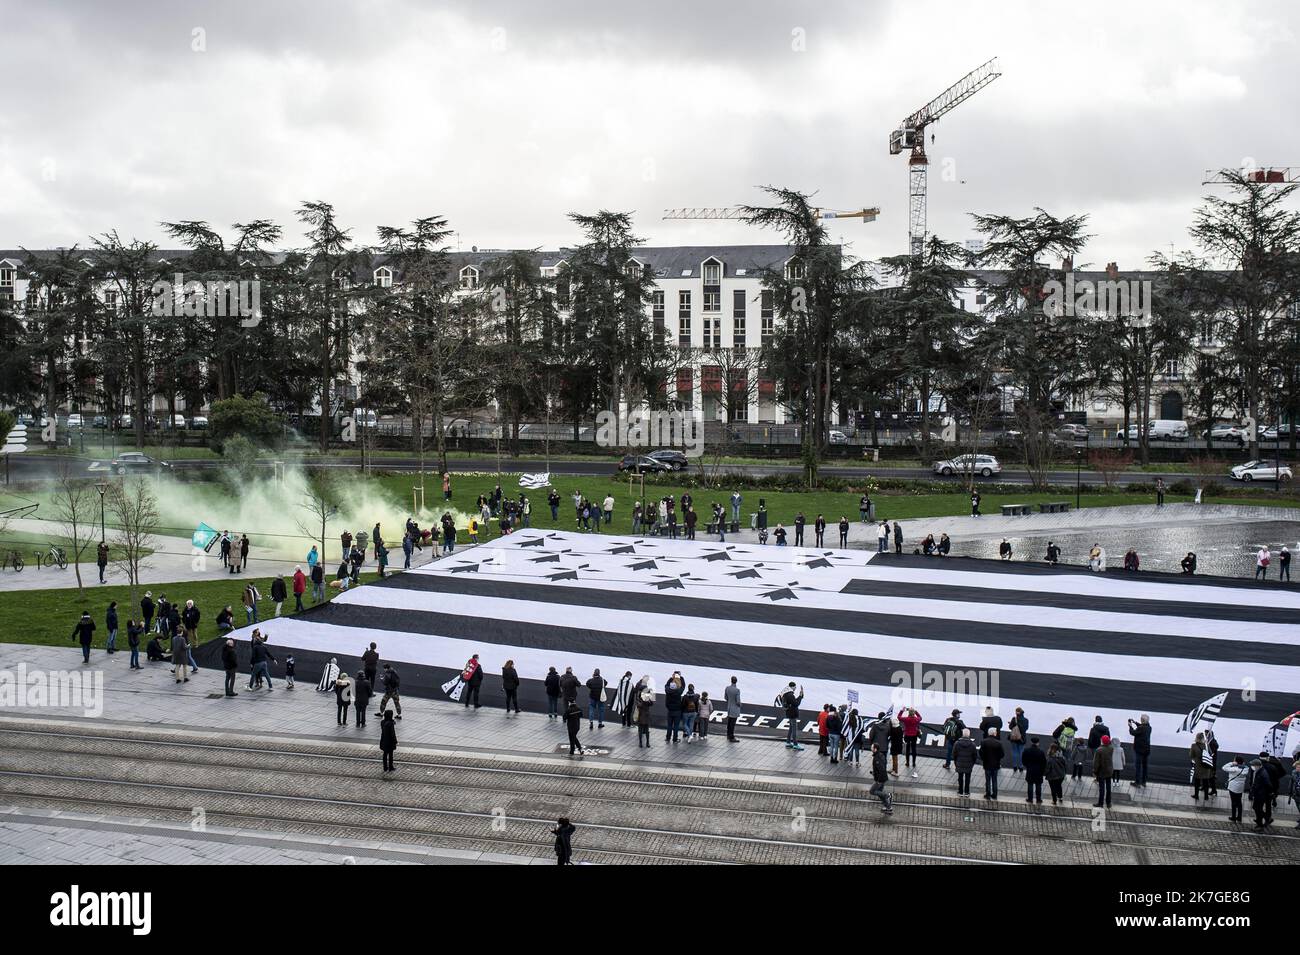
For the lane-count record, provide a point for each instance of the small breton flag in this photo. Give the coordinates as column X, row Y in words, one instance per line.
column 534, row 482
column 1206, row 712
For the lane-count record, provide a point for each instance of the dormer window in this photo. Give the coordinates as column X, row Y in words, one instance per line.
column 7, row 276
column 340, row 280
column 712, row 272
column 794, row 270
column 469, row 277
column 384, row 277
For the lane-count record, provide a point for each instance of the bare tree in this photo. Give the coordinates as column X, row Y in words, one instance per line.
column 73, row 502
column 135, row 518
column 321, row 504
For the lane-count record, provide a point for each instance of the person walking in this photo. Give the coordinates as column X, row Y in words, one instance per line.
column 101, row 560
column 573, row 722
column 318, row 582
column 552, row 684
column 563, row 833
column 731, row 697
column 250, row 598
column 278, row 592
column 1103, row 770
column 1033, row 762
column 299, row 588
column 880, row 775
column 1058, row 767
column 790, row 701
column 362, row 691
column 181, row 657
column 388, row 741
column 510, row 685
column 392, row 691
column 343, row 696
column 230, row 663
column 83, row 632
column 596, row 700
column 991, row 760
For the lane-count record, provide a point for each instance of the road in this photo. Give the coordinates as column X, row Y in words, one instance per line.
column 39, row 467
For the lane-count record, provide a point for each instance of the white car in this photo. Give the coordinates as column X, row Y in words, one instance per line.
column 838, row 437
column 1226, row 432
column 1261, row 471
column 983, row 464
column 75, row 421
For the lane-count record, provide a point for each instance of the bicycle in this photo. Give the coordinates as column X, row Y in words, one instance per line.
column 54, row 556
column 13, row 559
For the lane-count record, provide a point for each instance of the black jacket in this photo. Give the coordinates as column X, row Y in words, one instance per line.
column 596, row 688
column 191, row 617
column 991, row 753
column 278, row 590
column 391, row 680
column 229, row 660
column 1141, row 738
column 552, row 683
column 1035, row 763
column 83, row 630
column 1096, row 733
column 387, row 735
column 673, row 696
column 509, row 678
column 362, row 691
column 790, row 703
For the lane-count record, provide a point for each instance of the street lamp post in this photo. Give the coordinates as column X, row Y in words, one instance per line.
column 1078, row 477
column 102, row 488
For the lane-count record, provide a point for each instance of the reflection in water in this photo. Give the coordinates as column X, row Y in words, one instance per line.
column 1226, row 550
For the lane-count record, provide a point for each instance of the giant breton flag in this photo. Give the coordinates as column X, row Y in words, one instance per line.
column 928, row 632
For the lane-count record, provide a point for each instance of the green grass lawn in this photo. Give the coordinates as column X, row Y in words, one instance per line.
column 48, row 616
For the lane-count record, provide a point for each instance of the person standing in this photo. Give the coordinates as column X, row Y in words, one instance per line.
column 230, row 663
column 880, row 775
column 110, row 624
column 625, row 698
column 596, row 700
column 1017, row 733
column 262, row 660
column 644, row 703
column 299, row 588
column 1262, row 791
column 362, row 691
column 343, row 696
column 1160, row 492
column 552, row 684
column 181, row 657
column 898, row 538
column 673, row 691
column 190, row 618
column 134, row 631
column 569, row 684
column 790, row 701
column 834, row 731
column 573, row 722
column 318, row 582
column 799, row 522
column 250, row 598
column 819, row 531
column 84, row 633
column 473, row 677
column 691, row 520
column 736, row 500
column 510, row 684
column 1141, row 733
column 823, row 735
column 1238, row 777
column 1262, row 560
column 243, row 553
column 1034, row 764
column 952, row 731
column 991, row 759
column 446, row 485
column 911, row 721
column 1284, row 564
column 882, row 537
column 101, row 559
column 1103, row 770
column 388, row 741
column 964, row 755
column 844, row 531
column 1057, row 769
column 731, row 695
column 974, row 503
column 147, row 608
column 607, row 508
column 1202, row 771
column 563, row 833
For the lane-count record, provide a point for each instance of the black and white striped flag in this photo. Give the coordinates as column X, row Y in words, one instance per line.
column 1207, row 712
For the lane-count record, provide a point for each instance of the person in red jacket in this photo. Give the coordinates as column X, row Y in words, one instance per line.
column 911, row 721
column 299, row 587
column 823, row 735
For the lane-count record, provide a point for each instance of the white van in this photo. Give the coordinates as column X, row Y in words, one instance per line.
column 1165, row 429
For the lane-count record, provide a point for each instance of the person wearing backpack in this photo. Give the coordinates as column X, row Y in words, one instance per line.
column 1238, row 779
column 1017, row 735
column 952, row 730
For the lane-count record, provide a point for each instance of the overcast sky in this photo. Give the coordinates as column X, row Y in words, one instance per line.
column 505, row 116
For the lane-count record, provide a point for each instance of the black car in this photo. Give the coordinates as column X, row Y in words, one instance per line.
column 676, row 460
column 641, row 464
column 135, row 461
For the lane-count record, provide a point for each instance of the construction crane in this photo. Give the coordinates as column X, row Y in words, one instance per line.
column 739, row 212
column 910, row 135
column 1271, row 175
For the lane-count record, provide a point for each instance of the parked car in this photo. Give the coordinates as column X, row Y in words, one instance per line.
column 1261, row 471
column 983, row 464
column 125, row 422
column 838, row 437
column 676, row 460
column 1072, row 432
column 1276, row 432
column 1164, row 429
column 198, row 423
column 641, row 464
column 135, row 461
column 75, row 421
column 100, row 421
column 1225, row 433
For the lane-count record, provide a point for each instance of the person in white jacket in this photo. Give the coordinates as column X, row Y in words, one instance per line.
column 1238, row 774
